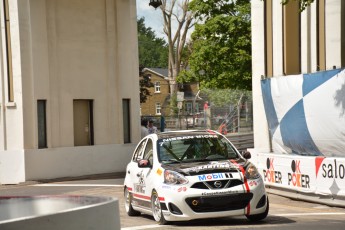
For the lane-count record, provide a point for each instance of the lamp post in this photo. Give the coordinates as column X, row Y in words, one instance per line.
column 155, row 3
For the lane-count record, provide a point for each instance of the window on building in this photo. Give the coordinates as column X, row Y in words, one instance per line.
column 157, row 87
column 41, row 124
column 83, row 122
column 268, row 39
column 158, row 108
column 197, row 107
column 291, row 38
column 126, row 104
column 8, row 51
column 189, row 107
column 320, row 35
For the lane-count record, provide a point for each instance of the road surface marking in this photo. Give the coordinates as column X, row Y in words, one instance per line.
column 142, row 227
column 77, row 185
column 310, row 214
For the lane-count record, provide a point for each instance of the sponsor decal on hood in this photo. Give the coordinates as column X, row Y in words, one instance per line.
column 197, row 168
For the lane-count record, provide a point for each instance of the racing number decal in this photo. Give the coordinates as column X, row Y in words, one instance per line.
column 244, row 180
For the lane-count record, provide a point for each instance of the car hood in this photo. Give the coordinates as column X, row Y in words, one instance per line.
column 198, row 168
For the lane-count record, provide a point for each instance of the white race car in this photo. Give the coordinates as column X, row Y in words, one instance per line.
column 184, row 175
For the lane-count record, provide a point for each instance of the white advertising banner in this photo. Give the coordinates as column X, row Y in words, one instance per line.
column 317, row 175
column 306, row 113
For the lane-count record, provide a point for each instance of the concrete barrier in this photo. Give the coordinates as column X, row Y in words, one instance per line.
column 59, row 213
column 317, row 179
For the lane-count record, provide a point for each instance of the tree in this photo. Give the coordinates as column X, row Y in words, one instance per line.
column 225, row 97
column 144, row 83
column 153, row 51
column 221, row 52
column 176, row 12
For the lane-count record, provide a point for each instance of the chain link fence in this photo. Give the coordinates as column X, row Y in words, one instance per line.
column 227, row 119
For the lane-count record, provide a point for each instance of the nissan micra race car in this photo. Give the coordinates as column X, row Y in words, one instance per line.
column 184, row 175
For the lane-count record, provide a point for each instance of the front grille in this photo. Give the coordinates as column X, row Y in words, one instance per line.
column 221, row 184
column 219, row 203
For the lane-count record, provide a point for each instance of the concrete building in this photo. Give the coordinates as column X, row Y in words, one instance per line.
column 287, row 42
column 69, row 73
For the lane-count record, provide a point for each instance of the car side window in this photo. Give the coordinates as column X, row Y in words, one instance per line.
column 138, row 152
column 148, row 154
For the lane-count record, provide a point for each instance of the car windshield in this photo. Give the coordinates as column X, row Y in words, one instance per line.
column 195, row 148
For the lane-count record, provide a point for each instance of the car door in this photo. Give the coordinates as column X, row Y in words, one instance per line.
column 141, row 176
column 146, row 175
column 132, row 168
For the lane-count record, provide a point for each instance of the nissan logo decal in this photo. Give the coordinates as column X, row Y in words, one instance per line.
column 217, row 184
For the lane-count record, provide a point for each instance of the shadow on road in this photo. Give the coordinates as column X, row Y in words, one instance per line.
column 228, row 221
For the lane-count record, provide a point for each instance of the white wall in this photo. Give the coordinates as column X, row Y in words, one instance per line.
column 261, row 136
column 77, row 161
column 12, row 167
column 11, row 112
column 65, row 50
column 333, row 33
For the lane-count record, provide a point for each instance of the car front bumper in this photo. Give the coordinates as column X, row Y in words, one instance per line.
column 185, row 203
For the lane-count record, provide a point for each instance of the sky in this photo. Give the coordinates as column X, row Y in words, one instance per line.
column 153, row 17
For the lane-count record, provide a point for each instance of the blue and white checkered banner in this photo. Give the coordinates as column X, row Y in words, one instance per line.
column 306, row 113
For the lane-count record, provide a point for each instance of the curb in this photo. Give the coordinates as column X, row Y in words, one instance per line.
column 311, row 198
column 114, row 175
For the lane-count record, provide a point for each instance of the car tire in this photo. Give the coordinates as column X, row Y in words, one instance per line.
column 261, row 216
column 157, row 209
column 128, row 204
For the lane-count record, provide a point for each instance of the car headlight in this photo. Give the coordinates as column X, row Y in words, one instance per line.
column 252, row 172
column 174, row 178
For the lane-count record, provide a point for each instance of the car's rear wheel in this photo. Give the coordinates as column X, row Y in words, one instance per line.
column 128, row 204
column 157, row 209
column 261, row 216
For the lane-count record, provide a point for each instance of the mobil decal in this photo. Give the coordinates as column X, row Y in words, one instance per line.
column 215, row 176
column 270, row 175
column 296, row 178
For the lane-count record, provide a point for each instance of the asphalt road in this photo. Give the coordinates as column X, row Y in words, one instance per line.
column 284, row 213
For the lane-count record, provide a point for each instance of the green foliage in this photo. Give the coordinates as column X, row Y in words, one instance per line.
column 225, row 97
column 144, row 83
column 153, row 51
column 221, row 52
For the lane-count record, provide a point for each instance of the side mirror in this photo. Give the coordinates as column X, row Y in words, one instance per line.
column 246, row 155
column 144, row 164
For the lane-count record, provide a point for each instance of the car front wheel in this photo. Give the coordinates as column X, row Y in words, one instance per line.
column 128, row 204
column 157, row 209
